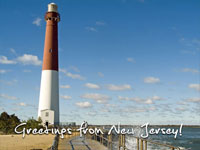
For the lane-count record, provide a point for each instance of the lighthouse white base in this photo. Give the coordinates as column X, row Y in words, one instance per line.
column 49, row 94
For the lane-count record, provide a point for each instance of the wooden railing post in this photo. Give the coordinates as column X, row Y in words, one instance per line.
column 124, row 142
column 111, row 141
column 101, row 138
column 141, row 144
column 138, row 144
column 145, row 145
column 119, row 142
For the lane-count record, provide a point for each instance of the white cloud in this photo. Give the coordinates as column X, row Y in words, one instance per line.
column 74, row 68
column 149, row 101
column 110, row 105
column 156, row 98
column 84, row 104
column 99, row 98
column 182, row 103
column 105, row 110
column 66, row 97
column 196, row 41
column 93, row 113
column 191, row 52
column 12, row 50
column 74, row 76
column 4, row 96
column 11, row 82
column 65, row 86
column 22, row 104
column 37, row 21
column 62, row 70
column 100, row 23
column 28, row 59
column 130, row 60
column 194, row 86
column 27, row 71
column 123, row 87
column 4, row 60
column 136, row 99
column 151, row 80
column 71, row 75
column 195, row 99
column 190, row 70
column 141, row 100
column 100, row 74
column 132, row 110
column 152, row 99
column 91, row 29
column 92, row 86
column 152, row 108
column 2, row 71
column 181, row 109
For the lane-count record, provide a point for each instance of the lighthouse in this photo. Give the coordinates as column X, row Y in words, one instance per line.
column 48, row 109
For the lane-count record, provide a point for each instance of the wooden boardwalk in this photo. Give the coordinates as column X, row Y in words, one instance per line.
column 79, row 143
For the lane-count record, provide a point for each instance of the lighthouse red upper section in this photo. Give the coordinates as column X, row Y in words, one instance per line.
column 50, row 57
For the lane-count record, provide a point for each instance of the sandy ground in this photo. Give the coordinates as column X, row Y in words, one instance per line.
column 16, row 142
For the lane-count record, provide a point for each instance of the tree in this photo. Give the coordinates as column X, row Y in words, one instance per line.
column 32, row 123
column 4, row 116
column 8, row 122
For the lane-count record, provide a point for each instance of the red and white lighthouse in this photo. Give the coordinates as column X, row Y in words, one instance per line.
column 49, row 89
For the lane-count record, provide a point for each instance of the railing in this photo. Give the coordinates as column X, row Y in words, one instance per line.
column 103, row 140
column 141, row 143
column 109, row 141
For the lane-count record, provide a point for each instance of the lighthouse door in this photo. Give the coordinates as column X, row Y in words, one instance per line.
column 47, row 123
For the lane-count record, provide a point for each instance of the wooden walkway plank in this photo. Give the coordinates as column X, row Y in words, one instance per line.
column 79, row 143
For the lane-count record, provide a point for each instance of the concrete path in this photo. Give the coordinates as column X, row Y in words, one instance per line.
column 78, row 143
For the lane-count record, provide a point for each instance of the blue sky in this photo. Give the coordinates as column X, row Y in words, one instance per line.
column 128, row 61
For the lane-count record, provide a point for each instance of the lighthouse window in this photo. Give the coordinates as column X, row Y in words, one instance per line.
column 50, row 51
column 47, row 114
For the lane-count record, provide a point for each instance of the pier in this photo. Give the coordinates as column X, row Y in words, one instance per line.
column 105, row 142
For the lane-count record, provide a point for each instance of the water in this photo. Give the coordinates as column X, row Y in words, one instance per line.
column 190, row 139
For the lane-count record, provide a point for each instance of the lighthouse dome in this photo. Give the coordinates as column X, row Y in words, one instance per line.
column 52, row 7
